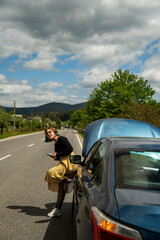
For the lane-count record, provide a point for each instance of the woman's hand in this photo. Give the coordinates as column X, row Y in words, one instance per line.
column 54, row 155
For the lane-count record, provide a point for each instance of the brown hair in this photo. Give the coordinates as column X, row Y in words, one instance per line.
column 52, row 128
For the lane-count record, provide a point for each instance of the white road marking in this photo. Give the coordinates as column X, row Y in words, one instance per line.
column 5, row 157
column 31, row 145
column 79, row 140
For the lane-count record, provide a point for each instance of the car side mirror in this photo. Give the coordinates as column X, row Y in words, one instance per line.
column 75, row 159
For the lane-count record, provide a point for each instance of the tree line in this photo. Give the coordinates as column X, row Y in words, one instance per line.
column 11, row 123
column 124, row 95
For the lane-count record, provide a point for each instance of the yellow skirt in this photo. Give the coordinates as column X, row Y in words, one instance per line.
column 65, row 169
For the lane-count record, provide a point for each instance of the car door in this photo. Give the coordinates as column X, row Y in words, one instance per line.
column 90, row 187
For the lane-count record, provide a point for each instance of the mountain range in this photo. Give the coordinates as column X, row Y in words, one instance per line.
column 49, row 107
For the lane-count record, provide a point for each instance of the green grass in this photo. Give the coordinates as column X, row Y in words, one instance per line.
column 11, row 134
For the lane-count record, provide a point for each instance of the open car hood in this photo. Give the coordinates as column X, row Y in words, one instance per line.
column 117, row 127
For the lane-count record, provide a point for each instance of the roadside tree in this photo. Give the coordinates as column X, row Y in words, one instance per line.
column 58, row 123
column 4, row 119
column 142, row 112
column 80, row 118
column 107, row 99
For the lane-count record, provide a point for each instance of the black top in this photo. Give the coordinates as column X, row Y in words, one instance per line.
column 63, row 147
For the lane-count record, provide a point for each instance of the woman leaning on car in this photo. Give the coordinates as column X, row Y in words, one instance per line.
column 59, row 178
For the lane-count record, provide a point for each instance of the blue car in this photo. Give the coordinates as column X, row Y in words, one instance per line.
column 117, row 191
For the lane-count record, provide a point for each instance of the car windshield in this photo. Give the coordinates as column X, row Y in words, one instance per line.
column 137, row 169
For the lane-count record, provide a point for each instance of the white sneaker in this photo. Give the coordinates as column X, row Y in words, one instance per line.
column 55, row 212
column 70, row 187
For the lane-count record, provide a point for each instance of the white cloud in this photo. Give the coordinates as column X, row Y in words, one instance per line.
column 104, row 27
column 24, row 81
column 44, row 61
column 16, row 42
column 102, row 35
column 73, row 86
column 25, row 95
column 15, row 89
column 50, row 85
column 152, row 66
column 152, row 74
column 94, row 76
column 3, row 79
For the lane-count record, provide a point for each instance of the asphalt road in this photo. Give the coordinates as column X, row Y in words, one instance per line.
column 24, row 197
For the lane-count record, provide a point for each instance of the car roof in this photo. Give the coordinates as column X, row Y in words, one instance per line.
column 117, row 127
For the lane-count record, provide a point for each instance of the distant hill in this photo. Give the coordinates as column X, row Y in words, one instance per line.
column 49, row 107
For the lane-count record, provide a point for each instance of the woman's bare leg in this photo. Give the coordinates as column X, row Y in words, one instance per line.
column 61, row 194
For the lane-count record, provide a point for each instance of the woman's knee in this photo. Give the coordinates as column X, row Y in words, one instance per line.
column 62, row 185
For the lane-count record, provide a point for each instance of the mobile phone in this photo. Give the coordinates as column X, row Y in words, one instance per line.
column 49, row 154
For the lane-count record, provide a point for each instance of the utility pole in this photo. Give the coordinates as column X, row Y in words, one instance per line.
column 14, row 116
column 31, row 117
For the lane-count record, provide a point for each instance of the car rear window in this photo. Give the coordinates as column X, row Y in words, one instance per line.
column 137, row 169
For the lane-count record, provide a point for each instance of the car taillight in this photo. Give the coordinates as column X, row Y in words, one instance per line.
column 104, row 228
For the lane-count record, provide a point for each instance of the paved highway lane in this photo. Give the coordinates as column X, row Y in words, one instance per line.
column 24, row 197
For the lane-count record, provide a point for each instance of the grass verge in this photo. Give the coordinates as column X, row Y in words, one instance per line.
column 12, row 134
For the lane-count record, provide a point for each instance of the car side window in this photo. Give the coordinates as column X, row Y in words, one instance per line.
column 88, row 158
column 95, row 165
column 90, row 154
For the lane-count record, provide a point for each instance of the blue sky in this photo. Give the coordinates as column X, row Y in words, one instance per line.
column 58, row 51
